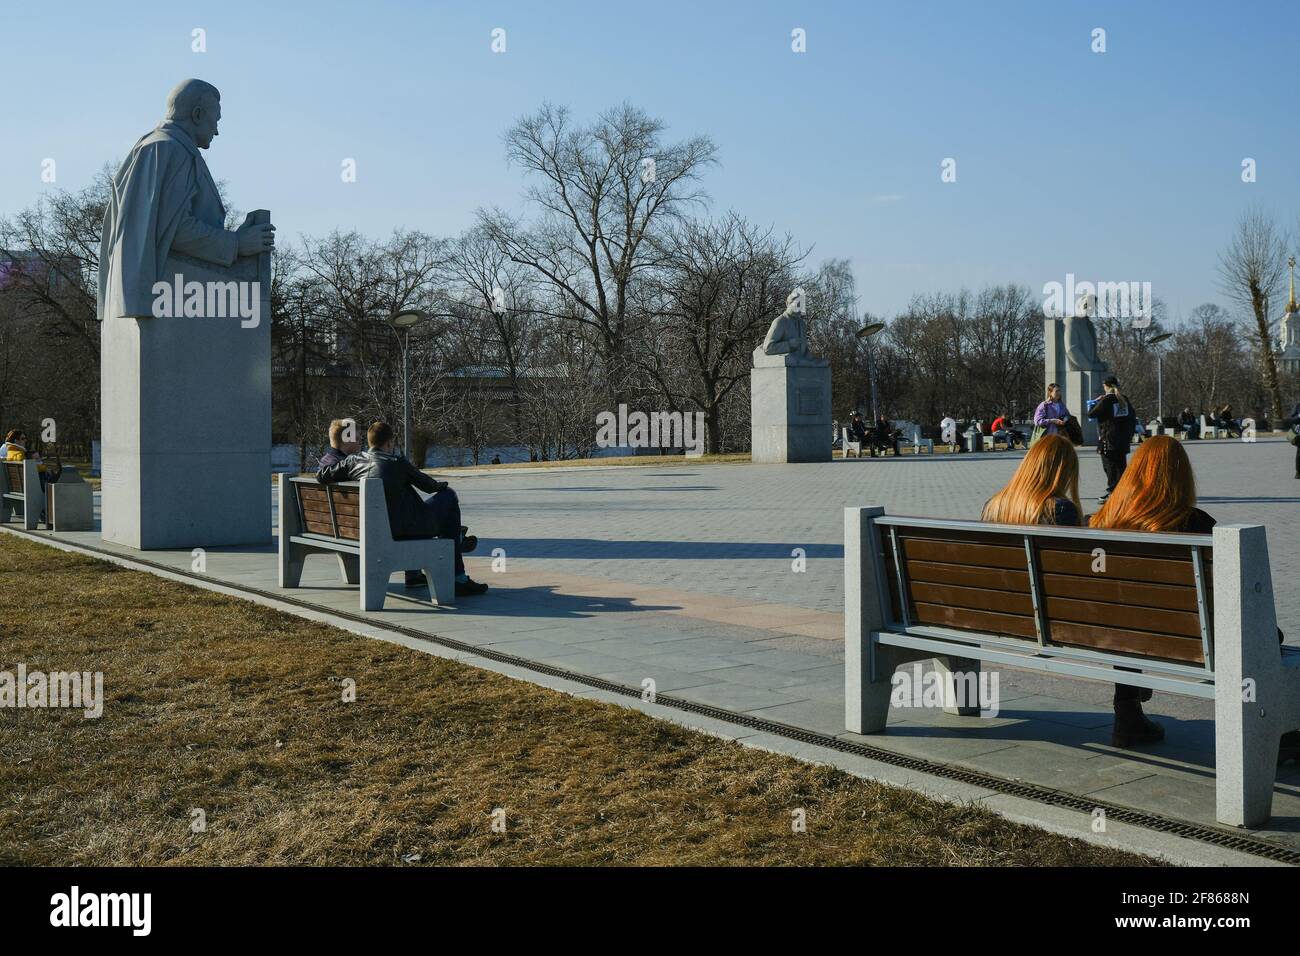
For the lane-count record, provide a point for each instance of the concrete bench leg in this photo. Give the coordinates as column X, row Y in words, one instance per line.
column 33, row 496
column 868, row 683
column 291, row 560
column 961, row 695
column 350, row 568
column 866, row 701
column 1256, row 698
column 439, row 567
column 374, row 586
column 291, row 555
column 868, row 667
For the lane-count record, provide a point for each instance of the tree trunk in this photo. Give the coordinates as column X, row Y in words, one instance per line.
column 1268, row 360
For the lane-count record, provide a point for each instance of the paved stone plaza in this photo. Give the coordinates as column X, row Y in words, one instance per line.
column 685, row 574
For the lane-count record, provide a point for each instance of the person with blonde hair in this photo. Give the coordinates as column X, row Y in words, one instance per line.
column 343, row 442
column 1044, row 489
column 1116, row 425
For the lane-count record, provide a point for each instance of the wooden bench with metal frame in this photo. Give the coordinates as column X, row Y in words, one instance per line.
column 20, row 489
column 1181, row 613
column 350, row 520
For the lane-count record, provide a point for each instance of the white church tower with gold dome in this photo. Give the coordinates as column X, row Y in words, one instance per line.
column 1288, row 359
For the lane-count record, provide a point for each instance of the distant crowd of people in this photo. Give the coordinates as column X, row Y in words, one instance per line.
column 880, row 437
column 1219, row 417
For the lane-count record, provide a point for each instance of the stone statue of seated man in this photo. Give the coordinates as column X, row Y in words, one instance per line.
column 786, row 342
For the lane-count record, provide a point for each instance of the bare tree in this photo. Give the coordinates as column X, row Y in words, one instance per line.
column 602, row 191
column 720, row 285
column 49, row 256
column 1251, row 270
column 1207, row 365
column 361, row 284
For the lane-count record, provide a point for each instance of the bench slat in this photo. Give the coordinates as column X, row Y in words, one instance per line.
column 1142, row 643
column 340, row 507
column 318, row 525
column 974, row 619
column 1052, row 560
column 1169, row 597
column 1125, row 568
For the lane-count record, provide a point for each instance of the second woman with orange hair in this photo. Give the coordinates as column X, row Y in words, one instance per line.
column 1157, row 492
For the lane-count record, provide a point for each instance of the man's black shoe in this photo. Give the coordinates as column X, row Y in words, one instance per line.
column 468, row 543
column 470, row 588
column 1289, row 748
column 415, row 579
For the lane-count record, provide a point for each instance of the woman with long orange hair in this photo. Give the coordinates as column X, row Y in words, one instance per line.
column 1044, row 489
column 1157, row 492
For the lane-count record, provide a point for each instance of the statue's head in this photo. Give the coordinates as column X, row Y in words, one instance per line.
column 794, row 303
column 195, row 106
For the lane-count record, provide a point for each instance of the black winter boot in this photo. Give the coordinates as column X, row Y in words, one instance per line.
column 1132, row 727
column 1289, row 748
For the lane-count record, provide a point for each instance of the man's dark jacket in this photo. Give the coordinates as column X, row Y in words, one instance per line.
column 408, row 515
column 332, row 456
column 1114, row 431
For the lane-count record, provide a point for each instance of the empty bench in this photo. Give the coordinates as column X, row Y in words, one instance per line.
column 350, row 521
column 1186, row 614
column 20, row 490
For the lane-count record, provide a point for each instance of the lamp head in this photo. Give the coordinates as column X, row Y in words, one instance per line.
column 406, row 318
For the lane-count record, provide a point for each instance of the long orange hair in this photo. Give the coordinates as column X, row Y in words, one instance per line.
column 1157, row 492
column 1049, row 471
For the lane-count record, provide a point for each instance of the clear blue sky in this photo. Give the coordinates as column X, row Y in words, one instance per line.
column 1117, row 166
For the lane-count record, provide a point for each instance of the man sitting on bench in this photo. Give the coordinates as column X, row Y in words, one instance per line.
column 409, row 513
column 343, row 442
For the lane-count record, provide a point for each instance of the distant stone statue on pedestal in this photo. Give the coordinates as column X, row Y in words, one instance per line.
column 790, row 393
column 185, row 326
column 786, row 342
column 1072, row 362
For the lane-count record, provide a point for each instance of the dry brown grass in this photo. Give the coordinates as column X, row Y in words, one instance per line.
column 223, row 705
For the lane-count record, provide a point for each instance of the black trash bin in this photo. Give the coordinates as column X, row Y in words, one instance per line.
column 974, row 440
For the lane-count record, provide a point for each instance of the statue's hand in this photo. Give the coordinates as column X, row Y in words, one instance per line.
column 256, row 239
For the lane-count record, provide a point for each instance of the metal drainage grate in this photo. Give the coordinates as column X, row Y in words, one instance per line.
column 1193, row 831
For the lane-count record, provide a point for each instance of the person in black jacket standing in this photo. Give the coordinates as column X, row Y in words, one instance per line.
column 1292, row 424
column 1116, row 423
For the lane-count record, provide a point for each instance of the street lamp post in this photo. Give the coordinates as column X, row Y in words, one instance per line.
column 866, row 332
column 402, row 322
column 1160, row 376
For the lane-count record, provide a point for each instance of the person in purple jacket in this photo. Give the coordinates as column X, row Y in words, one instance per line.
column 1051, row 414
column 343, row 442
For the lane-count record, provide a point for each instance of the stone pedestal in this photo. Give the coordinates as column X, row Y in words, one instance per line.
column 186, row 412
column 790, row 413
column 1077, row 387
column 70, row 504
